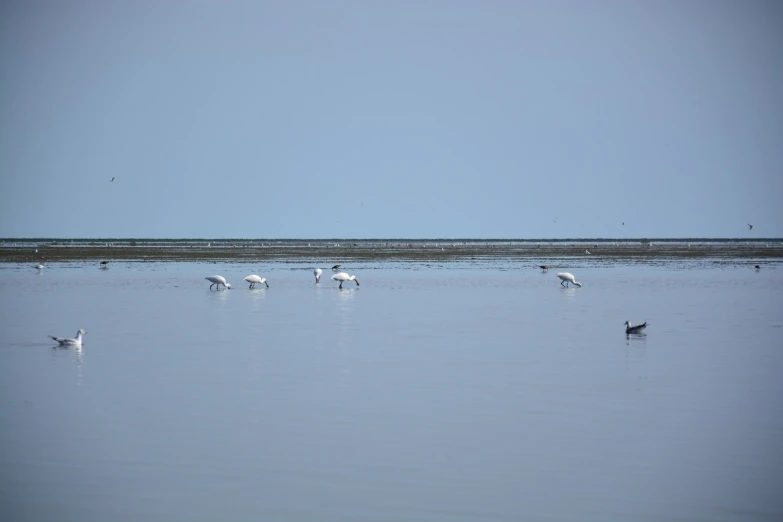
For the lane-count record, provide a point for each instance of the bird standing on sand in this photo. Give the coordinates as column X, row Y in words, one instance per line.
column 343, row 277
column 317, row 273
column 217, row 280
column 566, row 278
column 639, row 328
column 253, row 279
column 70, row 342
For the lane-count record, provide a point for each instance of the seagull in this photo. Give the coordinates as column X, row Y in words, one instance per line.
column 335, row 267
column 639, row 328
column 343, row 277
column 217, row 280
column 70, row 342
column 317, row 272
column 566, row 278
column 104, row 264
column 253, row 279
column 750, row 227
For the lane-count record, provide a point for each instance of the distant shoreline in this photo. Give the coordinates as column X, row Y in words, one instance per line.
column 340, row 251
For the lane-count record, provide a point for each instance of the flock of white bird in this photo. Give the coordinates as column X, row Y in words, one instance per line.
column 566, row 279
column 253, row 279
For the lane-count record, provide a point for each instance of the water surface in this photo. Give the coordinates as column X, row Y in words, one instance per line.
column 448, row 392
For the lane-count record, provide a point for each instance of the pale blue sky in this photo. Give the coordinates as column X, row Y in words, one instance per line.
column 359, row 119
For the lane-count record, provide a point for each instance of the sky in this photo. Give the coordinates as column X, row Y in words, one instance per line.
column 391, row 119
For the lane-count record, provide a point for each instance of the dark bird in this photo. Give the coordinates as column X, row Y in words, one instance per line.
column 757, row 267
column 543, row 267
column 639, row 328
column 112, row 179
column 335, row 267
column 104, row 264
column 750, row 227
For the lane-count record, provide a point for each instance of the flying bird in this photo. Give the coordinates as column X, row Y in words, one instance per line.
column 112, row 179
column 750, row 227
column 217, row 280
column 639, row 328
column 566, row 278
column 317, row 273
column 70, row 342
column 253, row 279
column 343, row 277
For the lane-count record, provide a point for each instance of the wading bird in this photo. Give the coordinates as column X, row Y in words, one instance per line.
column 335, row 267
column 343, row 277
column 70, row 342
column 317, row 273
column 566, row 278
column 104, row 264
column 543, row 268
column 217, row 280
column 639, row 328
column 253, row 279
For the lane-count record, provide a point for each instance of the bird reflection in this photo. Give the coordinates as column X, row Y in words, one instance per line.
column 78, row 356
column 568, row 292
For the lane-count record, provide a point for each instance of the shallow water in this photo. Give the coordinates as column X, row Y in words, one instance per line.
column 450, row 392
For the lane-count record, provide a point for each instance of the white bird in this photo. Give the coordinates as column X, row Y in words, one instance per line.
column 253, row 279
column 639, row 328
column 70, row 342
column 587, row 252
column 566, row 278
column 317, row 272
column 343, row 277
column 39, row 266
column 217, row 280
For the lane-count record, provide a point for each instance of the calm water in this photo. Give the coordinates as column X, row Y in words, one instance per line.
column 444, row 393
